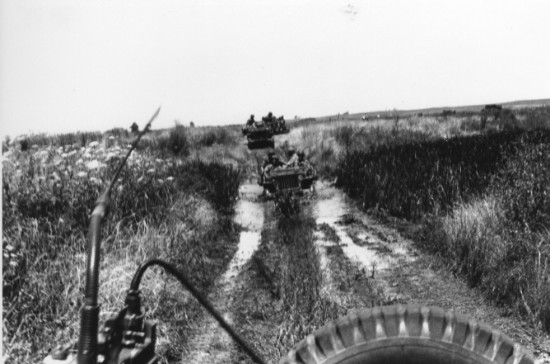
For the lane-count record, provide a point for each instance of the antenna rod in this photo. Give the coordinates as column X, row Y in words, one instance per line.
column 87, row 343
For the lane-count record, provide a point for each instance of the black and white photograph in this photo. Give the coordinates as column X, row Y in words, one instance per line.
column 275, row 181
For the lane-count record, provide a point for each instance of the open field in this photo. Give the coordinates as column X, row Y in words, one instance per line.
column 429, row 210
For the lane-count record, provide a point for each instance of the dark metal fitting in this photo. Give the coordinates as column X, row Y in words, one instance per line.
column 133, row 301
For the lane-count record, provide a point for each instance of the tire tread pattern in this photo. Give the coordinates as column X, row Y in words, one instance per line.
column 381, row 324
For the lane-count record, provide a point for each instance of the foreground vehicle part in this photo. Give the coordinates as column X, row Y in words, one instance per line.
column 391, row 334
column 407, row 335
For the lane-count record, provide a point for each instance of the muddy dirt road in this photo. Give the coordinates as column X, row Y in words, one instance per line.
column 394, row 270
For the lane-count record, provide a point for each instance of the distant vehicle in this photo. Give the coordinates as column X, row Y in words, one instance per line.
column 277, row 125
column 259, row 136
column 294, row 179
column 280, row 178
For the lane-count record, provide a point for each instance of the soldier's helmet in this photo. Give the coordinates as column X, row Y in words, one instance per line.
column 301, row 154
column 270, row 114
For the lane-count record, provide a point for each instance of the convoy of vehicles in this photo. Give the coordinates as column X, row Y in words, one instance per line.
column 390, row 334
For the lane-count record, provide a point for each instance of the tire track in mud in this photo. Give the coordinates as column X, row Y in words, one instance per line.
column 399, row 274
column 363, row 263
column 212, row 344
column 367, row 251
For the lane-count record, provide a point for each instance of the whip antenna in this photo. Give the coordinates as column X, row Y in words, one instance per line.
column 87, row 343
column 134, row 145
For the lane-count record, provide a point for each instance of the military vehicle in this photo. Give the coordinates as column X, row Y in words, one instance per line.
column 288, row 179
column 259, row 136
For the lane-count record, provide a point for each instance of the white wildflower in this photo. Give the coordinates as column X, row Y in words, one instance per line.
column 95, row 181
column 160, row 181
column 82, row 174
column 80, row 161
column 92, row 164
column 93, row 144
column 152, row 170
column 55, row 176
column 41, row 154
column 110, row 156
column 169, row 179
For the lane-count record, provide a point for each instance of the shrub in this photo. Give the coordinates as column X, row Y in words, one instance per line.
column 176, row 142
column 211, row 136
column 24, row 144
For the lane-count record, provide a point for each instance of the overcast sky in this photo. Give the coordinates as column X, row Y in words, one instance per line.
column 68, row 65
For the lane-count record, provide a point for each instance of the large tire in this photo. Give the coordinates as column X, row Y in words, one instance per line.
column 407, row 334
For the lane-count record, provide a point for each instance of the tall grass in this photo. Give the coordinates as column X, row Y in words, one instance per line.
column 412, row 179
column 484, row 199
column 511, row 267
column 47, row 198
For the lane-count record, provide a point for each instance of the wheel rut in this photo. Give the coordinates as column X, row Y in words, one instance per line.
column 212, row 344
column 376, row 264
column 401, row 274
